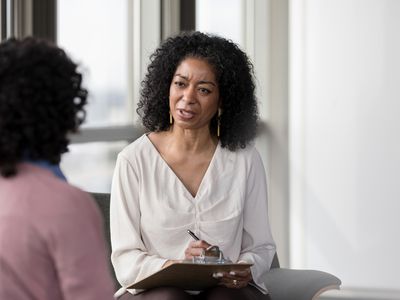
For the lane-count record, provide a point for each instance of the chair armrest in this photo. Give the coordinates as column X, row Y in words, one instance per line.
column 289, row 284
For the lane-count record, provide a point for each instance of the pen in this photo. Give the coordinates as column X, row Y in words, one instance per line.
column 193, row 235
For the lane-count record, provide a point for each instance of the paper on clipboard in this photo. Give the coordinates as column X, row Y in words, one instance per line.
column 188, row 275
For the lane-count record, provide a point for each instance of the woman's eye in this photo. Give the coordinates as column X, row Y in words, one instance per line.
column 179, row 83
column 204, row 91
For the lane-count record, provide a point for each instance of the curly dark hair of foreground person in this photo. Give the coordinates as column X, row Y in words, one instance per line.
column 234, row 72
column 41, row 101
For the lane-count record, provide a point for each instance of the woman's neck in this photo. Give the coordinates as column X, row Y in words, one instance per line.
column 194, row 141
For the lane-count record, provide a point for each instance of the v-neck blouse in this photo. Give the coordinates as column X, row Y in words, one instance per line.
column 151, row 211
column 173, row 174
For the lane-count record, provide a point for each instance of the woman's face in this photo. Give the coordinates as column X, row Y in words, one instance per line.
column 193, row 94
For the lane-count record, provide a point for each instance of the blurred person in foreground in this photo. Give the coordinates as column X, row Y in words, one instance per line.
column 51, row 240
column 196, row 169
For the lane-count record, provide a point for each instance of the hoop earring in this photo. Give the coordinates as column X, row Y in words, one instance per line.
column 170, row 118
column 219, row 122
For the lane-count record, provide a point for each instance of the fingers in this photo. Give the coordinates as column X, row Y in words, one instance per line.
column 192, row 252
column 195, row 248
column 243, row 274
column 234, row 279
column 199, row 244
column 233, row 283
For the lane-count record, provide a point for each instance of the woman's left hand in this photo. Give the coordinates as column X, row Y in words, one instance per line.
column 234, row 279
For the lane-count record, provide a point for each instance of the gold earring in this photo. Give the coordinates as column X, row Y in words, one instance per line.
column 219, row 122
column 170, row 118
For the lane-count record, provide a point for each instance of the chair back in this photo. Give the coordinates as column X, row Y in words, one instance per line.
column 275, row 262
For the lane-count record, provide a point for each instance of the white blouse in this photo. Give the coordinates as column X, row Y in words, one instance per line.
column 151, row 211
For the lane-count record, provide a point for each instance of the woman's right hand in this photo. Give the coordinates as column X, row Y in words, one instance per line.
column 195, row 248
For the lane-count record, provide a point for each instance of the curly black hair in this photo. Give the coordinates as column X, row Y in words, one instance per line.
column 41, row 101
column 235, row 76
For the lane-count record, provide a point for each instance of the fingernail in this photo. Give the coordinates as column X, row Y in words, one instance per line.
column 217, row 275
column 232, row 273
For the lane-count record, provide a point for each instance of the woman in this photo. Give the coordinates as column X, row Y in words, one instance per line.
column 51, row 239
column 196, row 169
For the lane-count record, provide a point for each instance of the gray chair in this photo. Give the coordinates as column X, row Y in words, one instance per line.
column 283, row 284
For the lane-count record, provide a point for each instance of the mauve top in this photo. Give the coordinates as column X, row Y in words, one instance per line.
column 51, row 240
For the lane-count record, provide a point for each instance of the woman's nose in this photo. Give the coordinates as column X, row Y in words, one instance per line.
column 189, row 95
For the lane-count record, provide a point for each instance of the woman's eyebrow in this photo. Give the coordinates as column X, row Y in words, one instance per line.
column 206, row 82
column 182, row 76
column 199, row 82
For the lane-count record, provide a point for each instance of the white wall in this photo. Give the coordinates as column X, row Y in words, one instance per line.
column 345, row 139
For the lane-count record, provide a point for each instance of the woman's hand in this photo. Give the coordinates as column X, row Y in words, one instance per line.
column 234, row 279
column 196, row 248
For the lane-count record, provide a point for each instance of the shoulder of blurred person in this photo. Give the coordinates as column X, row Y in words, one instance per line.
column 49, row 226
column 39, row 193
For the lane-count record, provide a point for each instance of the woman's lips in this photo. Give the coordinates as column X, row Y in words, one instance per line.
column 185, row 114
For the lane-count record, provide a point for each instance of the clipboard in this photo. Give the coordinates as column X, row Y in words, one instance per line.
column 187, row 276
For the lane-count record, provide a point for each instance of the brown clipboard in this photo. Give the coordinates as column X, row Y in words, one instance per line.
column 187, row 276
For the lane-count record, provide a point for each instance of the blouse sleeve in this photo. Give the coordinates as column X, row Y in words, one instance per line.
column 258, row 246
column 129, row 255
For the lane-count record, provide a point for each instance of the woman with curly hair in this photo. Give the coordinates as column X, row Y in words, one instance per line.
column 51, row 240
column 196, row 169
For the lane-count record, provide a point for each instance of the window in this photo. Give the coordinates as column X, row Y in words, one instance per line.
column 229, row 24
column 91, row 164
column 96, row 37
